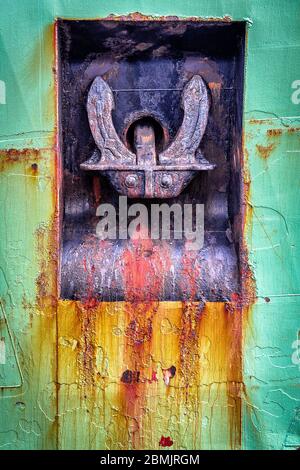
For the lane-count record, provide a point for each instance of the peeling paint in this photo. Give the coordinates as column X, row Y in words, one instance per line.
column 100, row 374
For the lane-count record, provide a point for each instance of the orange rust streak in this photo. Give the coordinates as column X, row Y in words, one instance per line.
column 137, row 16
column 265, row 151
column 291, row 130
column 274, row 132
column 243, row 225
column 203, row 343
column 16, row 156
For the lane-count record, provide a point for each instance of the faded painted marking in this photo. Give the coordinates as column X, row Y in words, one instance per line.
column 295, row 96
column 8, row 355
column 2, row 92
column 296, row 353
column 2, row 351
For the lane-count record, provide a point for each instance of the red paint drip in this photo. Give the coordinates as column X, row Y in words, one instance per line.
column 165, row 441
column 154, row 377
column 144, row 265
column 235, row 297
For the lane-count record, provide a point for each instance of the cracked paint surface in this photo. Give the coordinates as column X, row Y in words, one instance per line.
column 199, row 376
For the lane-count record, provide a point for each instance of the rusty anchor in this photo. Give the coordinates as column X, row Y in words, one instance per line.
column 144, row 174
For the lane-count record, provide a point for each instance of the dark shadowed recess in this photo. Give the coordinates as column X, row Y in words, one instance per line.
column 147, row 64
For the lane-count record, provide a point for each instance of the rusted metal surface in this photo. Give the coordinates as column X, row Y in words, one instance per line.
column 101, row 375
column 148, row 175
column 153, row 87
column 138, row 348
column 138, row 16
column 143, row 356
column 107, row 270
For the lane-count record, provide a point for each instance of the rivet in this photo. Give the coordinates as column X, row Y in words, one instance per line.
column 166, row 181
column 131, row 181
